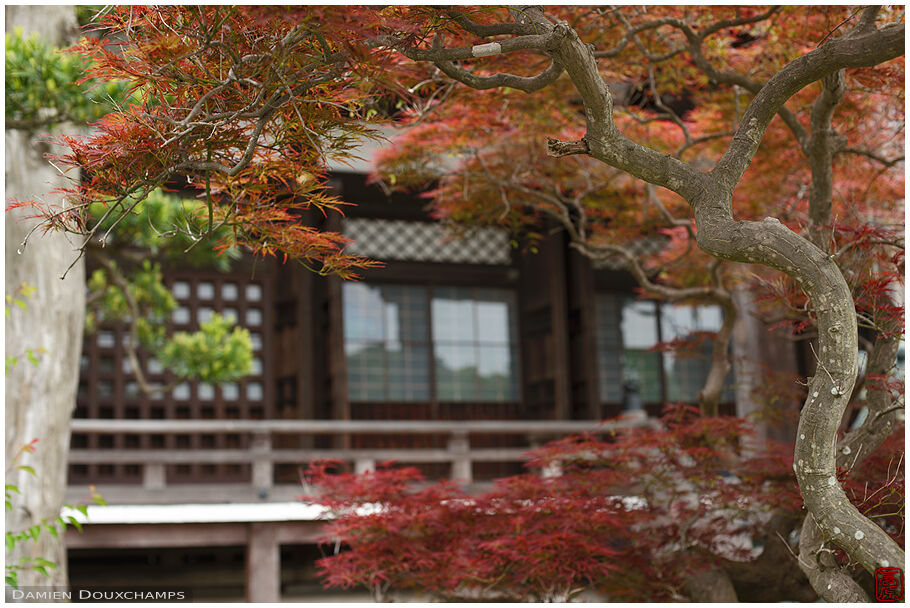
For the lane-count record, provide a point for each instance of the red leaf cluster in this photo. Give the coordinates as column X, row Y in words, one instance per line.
column 629, row 515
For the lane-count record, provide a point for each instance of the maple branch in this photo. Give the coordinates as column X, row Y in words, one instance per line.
column 726, row 23
column 530, row 42
column 558, row 149
column 495, row 29
column 867, row 19
column 821, row 148
column 631, row 32
column 881, row 420
column 863, row 49
column 659, row 103
column 887, row 162
column 133, row 323
column 528, row 84
column 700, row 140
column 673, row 221
column 443, row 57
column 694, row 44
column 832, row 582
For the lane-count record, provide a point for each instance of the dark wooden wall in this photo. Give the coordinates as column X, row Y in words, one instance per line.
column 304, row 373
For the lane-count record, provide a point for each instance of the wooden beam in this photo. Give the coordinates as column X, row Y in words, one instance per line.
column 111, row 536
column 263, row 564
column 183, row 493
column 153, row 458
column 132, row 536
column 540, row 427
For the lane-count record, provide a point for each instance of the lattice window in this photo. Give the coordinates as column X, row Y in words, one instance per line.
column 394, row 332
column 386, row 342
column 628, row 329
column 108, row 388
column 474, row 344
column 686, row 372
column 426, row 242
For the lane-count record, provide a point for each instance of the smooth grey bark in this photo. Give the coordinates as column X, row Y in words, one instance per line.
column 831, row 581
column 765, row 242
column 40, row 399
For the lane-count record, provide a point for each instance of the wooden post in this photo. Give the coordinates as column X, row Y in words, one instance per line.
column 263, row 563
column 555, row 251
column 262, row 465
column 460, row 448
column 153, row 476
column 363, row 465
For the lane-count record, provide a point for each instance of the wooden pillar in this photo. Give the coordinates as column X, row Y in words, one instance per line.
column 755, row 351
column 583, row 338
column 338, row 370
column 306, row 378
column 544, row 337
column 460, row 446
column 263, row 563
column 153, row 476
column 262, row 463
column 556, row 248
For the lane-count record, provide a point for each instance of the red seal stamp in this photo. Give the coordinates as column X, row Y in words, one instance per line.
column 889, row 585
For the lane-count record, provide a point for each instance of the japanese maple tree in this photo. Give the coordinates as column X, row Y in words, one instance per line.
column 714, row 185
column 671, row 118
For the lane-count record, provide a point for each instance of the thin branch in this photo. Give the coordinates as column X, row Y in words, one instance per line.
column 495, row 29
column 887, row 162
column 528, row 84
column 133, row 337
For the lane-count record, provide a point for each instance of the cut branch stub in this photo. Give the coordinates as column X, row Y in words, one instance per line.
column 558, row 148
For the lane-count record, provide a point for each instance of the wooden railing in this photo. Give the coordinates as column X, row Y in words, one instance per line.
column 262, row 456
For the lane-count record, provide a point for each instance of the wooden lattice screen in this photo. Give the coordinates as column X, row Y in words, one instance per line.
column 107, row 387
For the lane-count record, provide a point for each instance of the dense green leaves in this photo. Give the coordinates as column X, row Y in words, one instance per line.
column 217, row 352
column 214, row 353
column 44, row 87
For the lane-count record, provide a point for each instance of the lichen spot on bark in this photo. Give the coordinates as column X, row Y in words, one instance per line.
column 754, row 133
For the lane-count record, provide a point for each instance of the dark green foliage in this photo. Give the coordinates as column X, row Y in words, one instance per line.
column 44, row 86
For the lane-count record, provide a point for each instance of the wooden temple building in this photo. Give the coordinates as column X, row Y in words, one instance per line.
column 458, row 355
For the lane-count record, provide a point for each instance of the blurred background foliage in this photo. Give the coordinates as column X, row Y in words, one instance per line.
column 45, row 87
